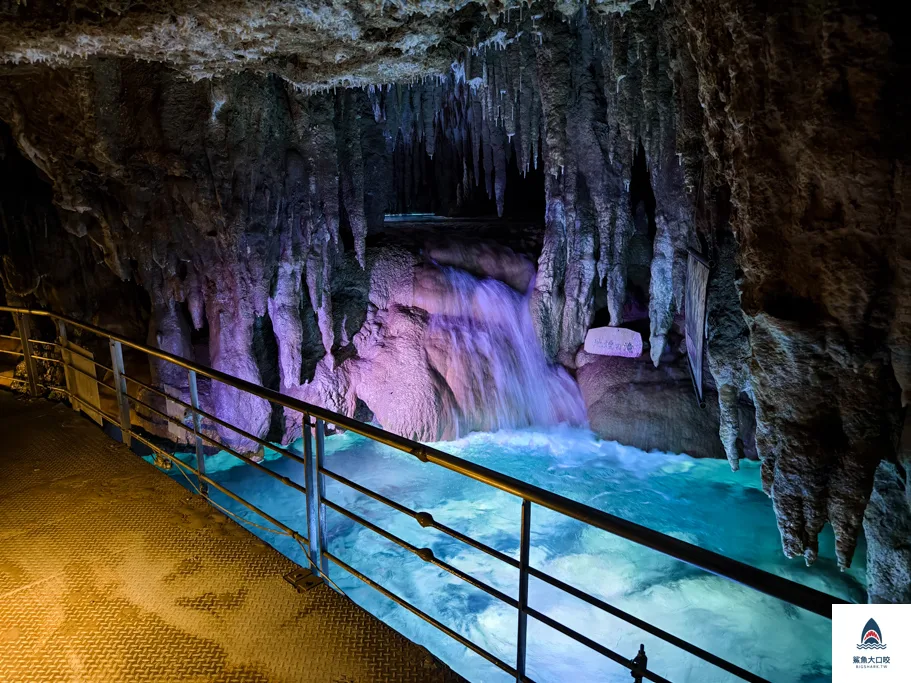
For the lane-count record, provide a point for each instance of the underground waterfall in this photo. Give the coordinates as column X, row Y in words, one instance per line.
column 491, row 359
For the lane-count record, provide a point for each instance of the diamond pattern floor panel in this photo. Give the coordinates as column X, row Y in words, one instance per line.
column 110, row 571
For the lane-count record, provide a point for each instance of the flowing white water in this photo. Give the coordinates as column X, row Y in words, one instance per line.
column 700, row 501
column 482, row 341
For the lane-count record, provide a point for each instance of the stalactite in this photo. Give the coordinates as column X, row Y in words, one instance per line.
column 528, row 104
column 587, row 130
column 827, row 403
column 195, row 298
column 321, row 231
column 474, row 105
column 579, row 307
column 430, row 100
column 412, row 124
column 351, row 166
column 552, row 64
column 661, row 311
column 498, row 150
column 170, row 332
column 231, row 318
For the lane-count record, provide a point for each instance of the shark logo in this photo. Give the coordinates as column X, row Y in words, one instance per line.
column 872, row 638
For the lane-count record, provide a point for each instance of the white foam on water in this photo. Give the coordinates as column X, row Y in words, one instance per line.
column 700, row 501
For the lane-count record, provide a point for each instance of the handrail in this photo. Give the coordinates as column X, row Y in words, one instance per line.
column 764, row 582
column 183, row 404
column 776, row 586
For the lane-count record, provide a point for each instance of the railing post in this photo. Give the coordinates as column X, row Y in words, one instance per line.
column 316, row 511
column 524, row 552
column 67, row 358
column 22, row 323
column 197, row 429
column 640, row 664
column 120, row 388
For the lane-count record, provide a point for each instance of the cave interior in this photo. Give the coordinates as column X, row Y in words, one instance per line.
column 413, row 214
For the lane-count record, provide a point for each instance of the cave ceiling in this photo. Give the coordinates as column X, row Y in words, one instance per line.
column 313, row 45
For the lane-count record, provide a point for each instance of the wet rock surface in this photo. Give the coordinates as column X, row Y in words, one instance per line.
column 443, row 352
column 887, row 527
column 633, row 402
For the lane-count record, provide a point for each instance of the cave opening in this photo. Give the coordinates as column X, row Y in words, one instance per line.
column 446, row 184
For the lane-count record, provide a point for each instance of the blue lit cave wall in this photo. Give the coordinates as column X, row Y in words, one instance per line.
column 220, row 192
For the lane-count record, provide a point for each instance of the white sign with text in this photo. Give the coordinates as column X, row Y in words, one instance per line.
column 613, row 341
column 871, row 643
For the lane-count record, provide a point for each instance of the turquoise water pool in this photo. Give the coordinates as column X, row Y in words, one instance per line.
column 700, row 501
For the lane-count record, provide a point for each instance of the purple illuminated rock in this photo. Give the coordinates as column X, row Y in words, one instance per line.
column 230, row 349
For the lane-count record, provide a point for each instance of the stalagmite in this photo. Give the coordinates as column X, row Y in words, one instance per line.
column 547, row 300
column 285, row 313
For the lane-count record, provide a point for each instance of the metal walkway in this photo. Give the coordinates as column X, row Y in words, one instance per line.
column 111, row 571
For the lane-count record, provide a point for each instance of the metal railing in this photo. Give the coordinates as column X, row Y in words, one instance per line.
column 316, row 473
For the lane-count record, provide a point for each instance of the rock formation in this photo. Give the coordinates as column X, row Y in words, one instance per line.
column 213, row 177
column 798, row 129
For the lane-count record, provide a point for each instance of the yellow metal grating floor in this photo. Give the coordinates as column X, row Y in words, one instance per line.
column 111, row 571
